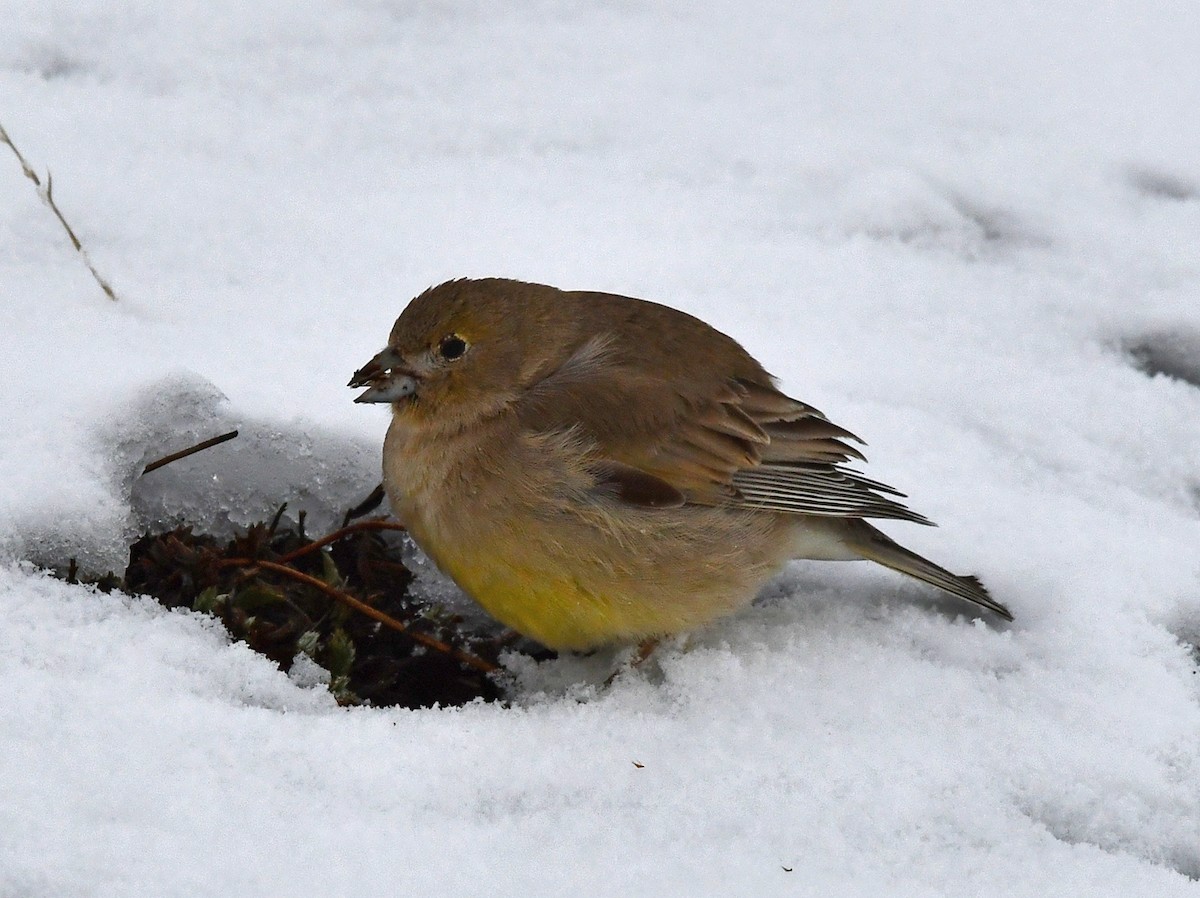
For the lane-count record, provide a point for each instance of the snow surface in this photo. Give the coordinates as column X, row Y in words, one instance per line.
column 969, row 232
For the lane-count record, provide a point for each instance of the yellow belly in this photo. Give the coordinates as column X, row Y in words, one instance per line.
column 553, row 606
column 602, row 589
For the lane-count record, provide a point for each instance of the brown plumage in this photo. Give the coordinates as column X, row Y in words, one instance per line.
column 594, row 468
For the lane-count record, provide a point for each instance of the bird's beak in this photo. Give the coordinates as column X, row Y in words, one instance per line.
column 387, row 378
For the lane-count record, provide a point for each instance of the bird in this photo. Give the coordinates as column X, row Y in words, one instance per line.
column 599, row 470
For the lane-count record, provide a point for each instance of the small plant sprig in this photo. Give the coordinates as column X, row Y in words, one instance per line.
column 46, row 192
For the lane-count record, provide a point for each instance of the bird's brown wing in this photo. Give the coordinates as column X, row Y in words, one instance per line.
column 802, row 467
column 716, row 441
column 757, row 448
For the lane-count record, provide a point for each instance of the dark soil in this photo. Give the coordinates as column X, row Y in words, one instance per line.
column 279, row 615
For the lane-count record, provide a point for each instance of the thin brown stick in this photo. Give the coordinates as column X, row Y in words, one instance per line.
column 191, row 450
column 336, row 535
column 26, row 168
column 374, row 613
column 66, row 227
column 46, row 192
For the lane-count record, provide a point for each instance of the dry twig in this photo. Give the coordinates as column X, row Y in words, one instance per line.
column 191, row 450
column 46, row 192
column 388, row 621
column 333, row 537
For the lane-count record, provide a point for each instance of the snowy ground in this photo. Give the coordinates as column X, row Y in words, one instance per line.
column 959, row 229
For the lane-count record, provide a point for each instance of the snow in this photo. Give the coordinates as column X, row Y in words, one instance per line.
column 970, row 233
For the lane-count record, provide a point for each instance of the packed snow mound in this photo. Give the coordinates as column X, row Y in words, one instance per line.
column 312, row 468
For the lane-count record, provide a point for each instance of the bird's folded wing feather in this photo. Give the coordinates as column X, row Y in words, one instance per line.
column 734, row 440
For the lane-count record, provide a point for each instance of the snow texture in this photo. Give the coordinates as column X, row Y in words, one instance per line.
column 968, row 232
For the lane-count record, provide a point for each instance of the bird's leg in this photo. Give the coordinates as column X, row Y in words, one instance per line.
column 508, row 637
column 644, row 650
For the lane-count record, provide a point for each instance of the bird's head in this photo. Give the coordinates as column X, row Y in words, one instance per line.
column 465, row 350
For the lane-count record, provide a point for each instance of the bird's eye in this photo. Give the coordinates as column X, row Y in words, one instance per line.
column 452, row 347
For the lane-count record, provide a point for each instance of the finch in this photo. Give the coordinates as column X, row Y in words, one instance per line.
column 596, row 469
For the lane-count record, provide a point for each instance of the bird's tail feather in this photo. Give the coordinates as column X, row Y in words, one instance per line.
column 876, row 546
